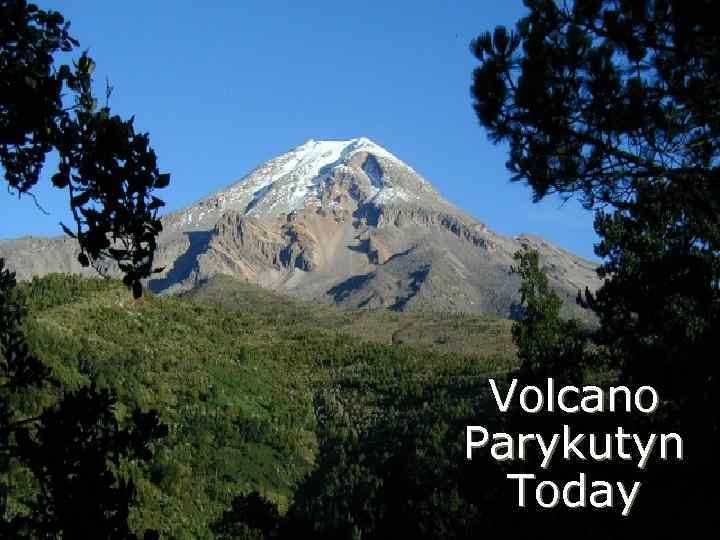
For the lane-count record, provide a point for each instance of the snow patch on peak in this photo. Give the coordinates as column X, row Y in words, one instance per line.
column 297, row 179
column 363, row 144
column 346, row 148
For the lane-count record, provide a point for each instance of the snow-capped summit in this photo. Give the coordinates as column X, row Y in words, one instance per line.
column 340, row 221
column 303, row 177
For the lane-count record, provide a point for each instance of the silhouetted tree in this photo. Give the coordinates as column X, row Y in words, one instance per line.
column 600, row 98
column 19, row 369
column 109, row 171
column 31, row 88
column 75, row 453
column 75, row 448
column 617, row 102
column 547, row 344
column 250, row 516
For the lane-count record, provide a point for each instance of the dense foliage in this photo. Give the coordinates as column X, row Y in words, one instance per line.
column 68, row 452
column 547, row 344
column 250, row 398
column 282, row 424
column 30, row 88
column 109, row 171
column 616, row 101
column 602, row 98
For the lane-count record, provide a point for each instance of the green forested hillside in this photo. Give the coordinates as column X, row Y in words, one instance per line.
column 255, row 389
column 445, row 332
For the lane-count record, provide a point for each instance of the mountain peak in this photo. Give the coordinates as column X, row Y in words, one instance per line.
column 340, row 221
column 318, row 173
column 357, row 142
column 341, row 149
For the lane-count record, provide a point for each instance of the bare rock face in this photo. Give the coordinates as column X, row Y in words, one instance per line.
column 32, row 256
column 345, row 222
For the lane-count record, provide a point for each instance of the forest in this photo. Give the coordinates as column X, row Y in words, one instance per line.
column 252, row 401
column 228, row 412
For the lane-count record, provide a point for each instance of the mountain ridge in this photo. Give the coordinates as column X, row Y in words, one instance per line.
column 338, row 221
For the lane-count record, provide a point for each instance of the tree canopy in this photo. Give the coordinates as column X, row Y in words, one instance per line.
column 616, row 102
column 73, row 448
column 109, row 171
column 601, row 98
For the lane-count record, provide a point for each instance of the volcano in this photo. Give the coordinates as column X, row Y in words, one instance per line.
column 342, row 222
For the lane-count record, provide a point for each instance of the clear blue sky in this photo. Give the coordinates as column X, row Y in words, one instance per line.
column 225, row 85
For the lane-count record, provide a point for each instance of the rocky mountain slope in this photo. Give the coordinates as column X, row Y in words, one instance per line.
column 343, row 222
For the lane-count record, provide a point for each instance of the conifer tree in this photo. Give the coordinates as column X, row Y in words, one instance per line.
column 547, row 344
column 616, row 102
column 73, row 449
